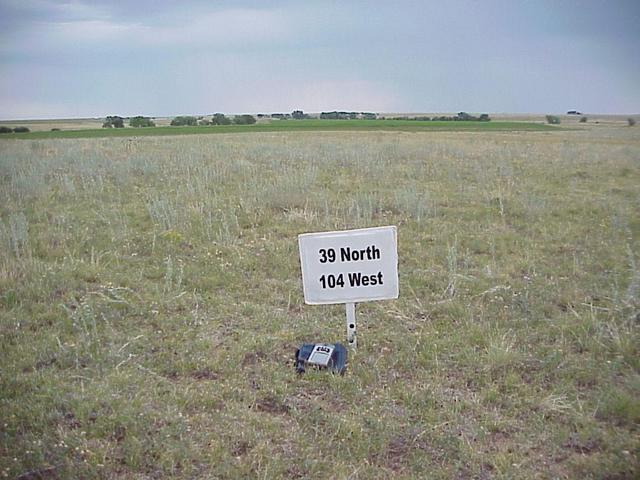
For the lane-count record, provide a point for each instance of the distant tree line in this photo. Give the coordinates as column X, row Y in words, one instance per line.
column 216, row 119
column 295, row 115
column 4, row 129
column 463, row 117
column 460, row 117
column 139, row 121
column 116, row 121
column 335, row 115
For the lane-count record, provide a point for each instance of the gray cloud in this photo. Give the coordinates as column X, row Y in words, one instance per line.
column 163, row 58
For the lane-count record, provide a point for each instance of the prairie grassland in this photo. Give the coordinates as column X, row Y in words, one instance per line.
column 151, row 303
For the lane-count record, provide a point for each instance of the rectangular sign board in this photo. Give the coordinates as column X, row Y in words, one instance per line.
column 349, row 266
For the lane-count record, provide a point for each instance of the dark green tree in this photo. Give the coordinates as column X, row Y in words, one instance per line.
column 244, row 119
column 220, row 119
column 113, row 121
column 140, row 121
column 184, row 120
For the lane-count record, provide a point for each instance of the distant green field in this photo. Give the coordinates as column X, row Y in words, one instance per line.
column 293, row 125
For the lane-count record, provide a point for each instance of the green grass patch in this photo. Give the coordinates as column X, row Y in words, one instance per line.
column 293, row 125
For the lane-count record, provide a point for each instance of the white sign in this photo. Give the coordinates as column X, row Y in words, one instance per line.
column 349, row 266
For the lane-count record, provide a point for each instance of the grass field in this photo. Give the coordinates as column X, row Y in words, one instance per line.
column 289, row 125
column 151, row 303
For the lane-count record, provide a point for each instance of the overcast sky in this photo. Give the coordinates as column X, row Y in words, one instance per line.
column 163, row 58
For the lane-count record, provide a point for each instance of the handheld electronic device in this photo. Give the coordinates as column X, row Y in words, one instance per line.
column 331, row 356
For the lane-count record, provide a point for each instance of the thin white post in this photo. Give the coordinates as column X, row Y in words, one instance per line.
column 351, row 325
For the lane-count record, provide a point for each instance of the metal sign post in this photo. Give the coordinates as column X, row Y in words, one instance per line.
column 352, row 339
